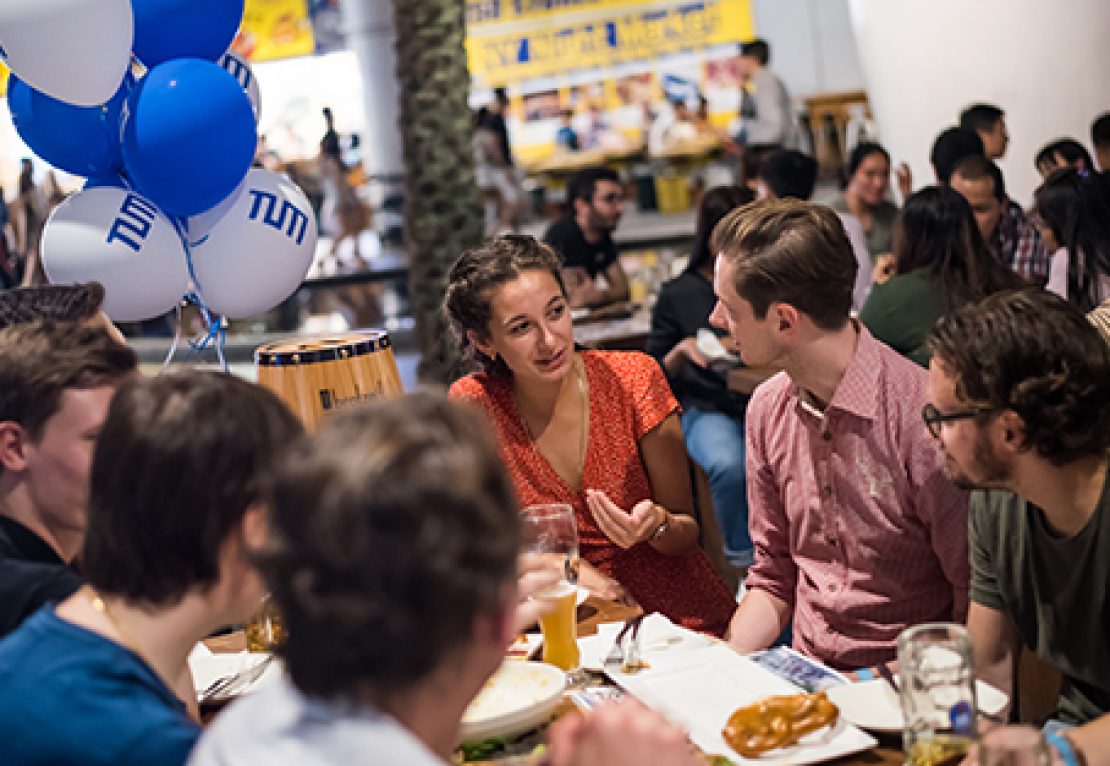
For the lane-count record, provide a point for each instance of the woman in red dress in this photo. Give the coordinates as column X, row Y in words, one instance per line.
column 598, row 430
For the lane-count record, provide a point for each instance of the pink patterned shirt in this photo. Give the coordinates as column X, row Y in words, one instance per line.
column 854, row 521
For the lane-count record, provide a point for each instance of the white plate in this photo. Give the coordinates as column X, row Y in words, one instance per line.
column 699, row 690
column 518, row 697
column 660, row 641
column 207, row 667
column 874, row 705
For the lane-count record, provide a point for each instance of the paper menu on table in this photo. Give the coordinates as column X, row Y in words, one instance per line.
column 700, row 689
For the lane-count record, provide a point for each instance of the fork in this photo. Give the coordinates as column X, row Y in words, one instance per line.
column 228, row 686
column 618, row 654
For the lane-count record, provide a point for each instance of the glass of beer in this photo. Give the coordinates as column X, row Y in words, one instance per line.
column 937, row 693
column 263, row 629
column 550, row 530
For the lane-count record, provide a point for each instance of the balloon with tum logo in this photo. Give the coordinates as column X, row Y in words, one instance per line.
column 120, row 239
column 238, row 67
column 259, row 252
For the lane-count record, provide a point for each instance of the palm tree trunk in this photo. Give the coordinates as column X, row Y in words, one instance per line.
column 443, row 208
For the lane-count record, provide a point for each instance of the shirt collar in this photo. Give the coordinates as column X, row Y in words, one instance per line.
column 19, row 542
column 855, row 393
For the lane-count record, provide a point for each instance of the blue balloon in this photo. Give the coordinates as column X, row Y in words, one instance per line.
column 170, row 29
column 188, row 136
column 83, row 140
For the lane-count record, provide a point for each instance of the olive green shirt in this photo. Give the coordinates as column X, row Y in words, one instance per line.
column 1055, row 590
column 901, row 311
column 880, row 237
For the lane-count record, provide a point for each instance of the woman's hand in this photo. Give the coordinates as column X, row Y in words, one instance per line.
column 624, row 528
column 903, row 177
column 885, row 266
column 597, row 582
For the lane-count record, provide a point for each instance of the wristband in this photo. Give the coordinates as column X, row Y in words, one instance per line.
column 1063, row 747
column 865, row 674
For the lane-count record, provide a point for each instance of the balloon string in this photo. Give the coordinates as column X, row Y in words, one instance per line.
column 215, row 332
column 176, row 338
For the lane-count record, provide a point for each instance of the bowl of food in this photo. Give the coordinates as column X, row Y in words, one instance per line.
column 518, row 697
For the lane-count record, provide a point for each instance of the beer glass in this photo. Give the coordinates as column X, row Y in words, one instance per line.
column 937, row 693
column 550, row 531
column 263, row 629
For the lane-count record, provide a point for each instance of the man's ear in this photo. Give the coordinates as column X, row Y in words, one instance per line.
column 500, row 625
column 786, row 317
column 481, row 345
column 1010, row 432
column 14, row 441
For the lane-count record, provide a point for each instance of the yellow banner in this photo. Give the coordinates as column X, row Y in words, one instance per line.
column 481, row 13
column 275, row 29
column 520, row 42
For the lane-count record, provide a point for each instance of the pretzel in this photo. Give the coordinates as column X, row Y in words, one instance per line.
column 777, row 722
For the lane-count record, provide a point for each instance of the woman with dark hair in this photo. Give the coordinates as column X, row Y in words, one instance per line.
column 942, row 263
column 1062, row 153
column 1074, row 211
column 594, row 429
column 865, row 196
column 712, row 415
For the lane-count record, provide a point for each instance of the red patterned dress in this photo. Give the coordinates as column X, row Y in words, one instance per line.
column 628, row 398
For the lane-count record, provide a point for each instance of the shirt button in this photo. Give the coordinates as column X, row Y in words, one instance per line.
column 832, row 587
column 826, row 436
column 827, row 490
column 831, row 541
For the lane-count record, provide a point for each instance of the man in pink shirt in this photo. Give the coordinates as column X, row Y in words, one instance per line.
column 858, row 532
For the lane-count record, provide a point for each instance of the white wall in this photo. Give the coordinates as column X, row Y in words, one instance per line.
column 812, row 44
column 925, row 60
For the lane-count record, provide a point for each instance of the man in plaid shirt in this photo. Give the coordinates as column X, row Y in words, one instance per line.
column 1004, row 225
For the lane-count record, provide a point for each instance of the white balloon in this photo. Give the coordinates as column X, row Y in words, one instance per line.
column 198, row 226
column 120, row 239
column 240, row 69
column 74, row 50
column 260, row 251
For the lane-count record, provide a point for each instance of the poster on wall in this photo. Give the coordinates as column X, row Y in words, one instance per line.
column 275, row 29
column 603, row 65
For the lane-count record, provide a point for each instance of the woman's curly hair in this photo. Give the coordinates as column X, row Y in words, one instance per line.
column 1032, row 352
column 475, row 275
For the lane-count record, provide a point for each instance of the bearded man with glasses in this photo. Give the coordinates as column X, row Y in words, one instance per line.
column 1019, row 400
column 583, row 238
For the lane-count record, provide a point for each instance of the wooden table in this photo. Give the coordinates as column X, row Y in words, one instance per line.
column 592, row 613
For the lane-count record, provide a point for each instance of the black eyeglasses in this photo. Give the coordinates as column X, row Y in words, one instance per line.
column 934, row 418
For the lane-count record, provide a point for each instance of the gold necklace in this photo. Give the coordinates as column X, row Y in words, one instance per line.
column 584, row 396
column 126, row 638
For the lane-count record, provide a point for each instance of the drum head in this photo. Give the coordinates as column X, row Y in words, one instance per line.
column 326, row 348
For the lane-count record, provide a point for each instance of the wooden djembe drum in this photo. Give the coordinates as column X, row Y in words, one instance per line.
column 314, row 376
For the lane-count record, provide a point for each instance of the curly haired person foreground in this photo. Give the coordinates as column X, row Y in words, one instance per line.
column 1019, row 400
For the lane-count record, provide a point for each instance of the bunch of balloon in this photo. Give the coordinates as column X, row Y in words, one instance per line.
column 145, row 99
